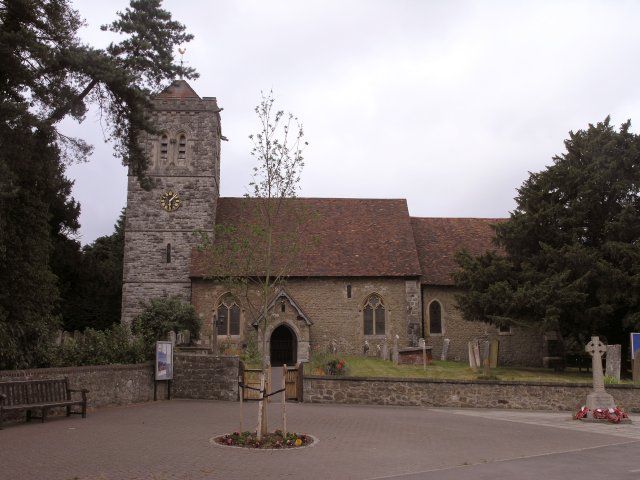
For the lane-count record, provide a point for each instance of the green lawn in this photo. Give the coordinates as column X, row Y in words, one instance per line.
column 375, row 367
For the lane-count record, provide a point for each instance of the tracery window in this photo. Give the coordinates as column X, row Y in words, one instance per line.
column 374, row 316
column 435, row 318
column 228, row 316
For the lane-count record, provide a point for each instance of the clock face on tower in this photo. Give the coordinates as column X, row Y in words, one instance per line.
column 170, row 201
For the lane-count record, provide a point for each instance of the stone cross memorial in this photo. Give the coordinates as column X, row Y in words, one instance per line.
column 599, row 398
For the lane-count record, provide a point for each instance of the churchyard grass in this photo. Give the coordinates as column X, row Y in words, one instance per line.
column 375, row 367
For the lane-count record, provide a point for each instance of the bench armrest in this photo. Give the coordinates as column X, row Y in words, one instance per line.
column 82, row 391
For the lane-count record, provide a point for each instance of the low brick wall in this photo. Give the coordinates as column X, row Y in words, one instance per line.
column 107, row 384
column 459, row 393
column 204, row 376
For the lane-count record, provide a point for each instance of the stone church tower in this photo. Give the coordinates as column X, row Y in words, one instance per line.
column 160, row 223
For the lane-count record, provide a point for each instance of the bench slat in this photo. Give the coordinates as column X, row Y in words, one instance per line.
column 24, row 392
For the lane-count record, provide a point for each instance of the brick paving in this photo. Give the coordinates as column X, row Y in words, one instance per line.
column 171, row 440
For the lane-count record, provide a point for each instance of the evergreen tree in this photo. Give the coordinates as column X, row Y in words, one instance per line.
column 47, row 73
column 570, row 256
column 93, row 295
column 28, row 291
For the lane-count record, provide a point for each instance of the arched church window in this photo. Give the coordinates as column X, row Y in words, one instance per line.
column 435, row 318
column 228, row 316
column 182, row 146
column 164, row 146
column 374, row 316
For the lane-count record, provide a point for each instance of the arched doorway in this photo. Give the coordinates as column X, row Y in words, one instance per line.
column 283, row 346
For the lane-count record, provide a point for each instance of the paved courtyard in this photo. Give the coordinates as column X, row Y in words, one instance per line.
column 171, row 440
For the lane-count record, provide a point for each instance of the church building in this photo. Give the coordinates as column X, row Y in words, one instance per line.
column 369, row 271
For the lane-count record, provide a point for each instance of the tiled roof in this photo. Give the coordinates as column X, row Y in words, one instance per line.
column 179, row 89
column 439, row 239
column 339, row 238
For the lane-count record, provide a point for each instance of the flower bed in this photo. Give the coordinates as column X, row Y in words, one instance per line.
column 275, row 440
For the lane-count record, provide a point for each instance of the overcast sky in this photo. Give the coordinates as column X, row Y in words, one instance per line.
column 448, row 104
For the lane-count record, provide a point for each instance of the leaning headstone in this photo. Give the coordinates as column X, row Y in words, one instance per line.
column 472, row 357
column 395, row 349
column 599, row 398
column 486, row 346
column 614, row 357
column 636, row 368
column 493, row 353
column 476, row 353
column 445, row 349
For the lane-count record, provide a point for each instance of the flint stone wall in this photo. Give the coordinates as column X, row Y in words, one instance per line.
column 460, row 393
column 205, row 376
column 107, row 384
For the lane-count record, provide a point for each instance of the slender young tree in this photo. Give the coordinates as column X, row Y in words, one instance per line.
column 255, row 258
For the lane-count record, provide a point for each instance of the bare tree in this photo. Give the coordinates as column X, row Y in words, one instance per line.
column 254, row 258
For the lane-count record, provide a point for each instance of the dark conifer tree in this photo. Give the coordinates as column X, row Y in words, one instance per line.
column 571, row 250
column 47, row 73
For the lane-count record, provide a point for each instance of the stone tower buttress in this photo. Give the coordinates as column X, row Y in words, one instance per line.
column 184, row 164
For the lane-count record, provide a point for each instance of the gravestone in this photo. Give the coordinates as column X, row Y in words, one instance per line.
column 445, row 349
column 366, row 347
column 172, row 337
column 599, row 398
column 493, row 353
column 614, row 357
column 423, row 345
column 476, row 352
column 486, row 348
column 395, row 349
column 385, row 350
column 379, row 350
column 472, row 356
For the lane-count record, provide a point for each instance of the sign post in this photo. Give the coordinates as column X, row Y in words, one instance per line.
column 163, row 366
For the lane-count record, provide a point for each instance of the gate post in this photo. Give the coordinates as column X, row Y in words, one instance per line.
column 300, row 381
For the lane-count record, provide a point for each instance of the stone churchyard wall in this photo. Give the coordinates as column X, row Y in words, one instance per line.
column 461, row 393
column 107, row 384
column 205, row 376
column 195, row 376
column 517, row 347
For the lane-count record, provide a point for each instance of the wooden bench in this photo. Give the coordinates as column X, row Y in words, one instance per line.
column 579, row 361
column 39, row 394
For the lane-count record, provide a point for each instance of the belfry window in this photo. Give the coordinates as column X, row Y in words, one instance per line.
column 374, row 316
column 435, row 318
column 228, row 316
column 164, row 146
column 182, row 146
